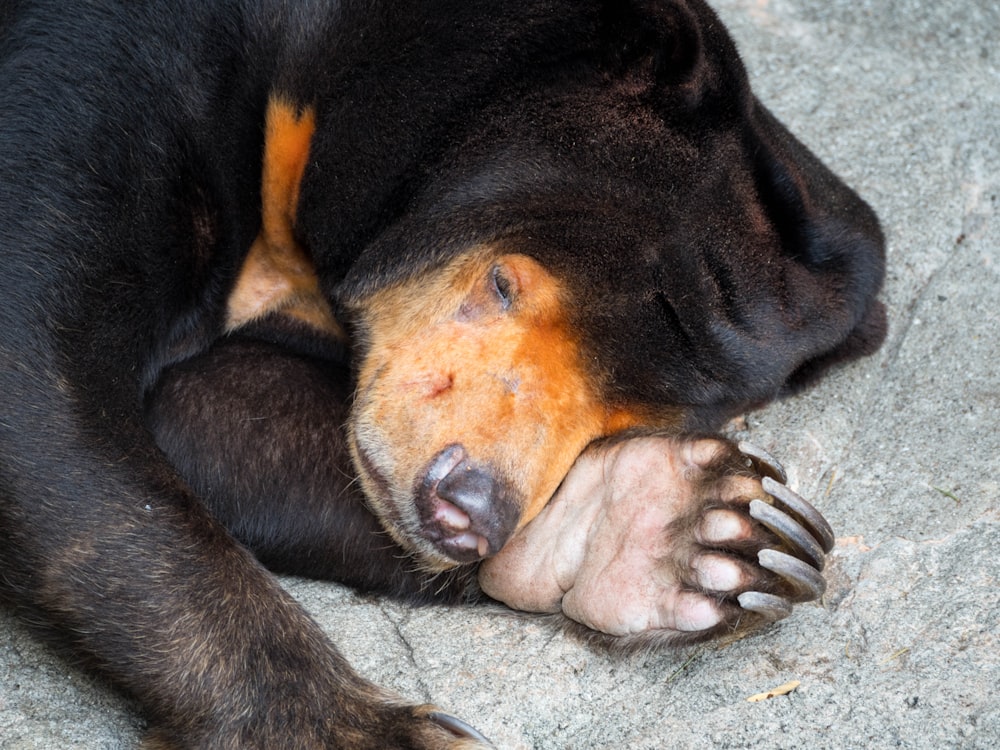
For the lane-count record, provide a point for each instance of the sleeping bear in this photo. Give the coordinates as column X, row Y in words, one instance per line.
column 445, row 301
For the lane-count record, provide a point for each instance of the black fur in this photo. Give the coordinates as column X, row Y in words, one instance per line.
column 617, row 143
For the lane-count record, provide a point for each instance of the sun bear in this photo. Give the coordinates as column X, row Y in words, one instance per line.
column 441, row 300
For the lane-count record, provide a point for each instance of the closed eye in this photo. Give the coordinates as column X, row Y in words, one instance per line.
column 502, row 287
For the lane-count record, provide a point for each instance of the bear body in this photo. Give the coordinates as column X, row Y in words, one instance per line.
column 407, row 296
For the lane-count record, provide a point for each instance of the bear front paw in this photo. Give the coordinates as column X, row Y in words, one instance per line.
column 661, row 540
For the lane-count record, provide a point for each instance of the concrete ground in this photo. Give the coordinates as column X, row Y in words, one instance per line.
column 901, row 452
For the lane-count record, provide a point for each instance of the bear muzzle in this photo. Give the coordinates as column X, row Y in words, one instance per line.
column 467, row 510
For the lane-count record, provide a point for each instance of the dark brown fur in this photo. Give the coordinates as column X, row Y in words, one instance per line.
column 159, row 440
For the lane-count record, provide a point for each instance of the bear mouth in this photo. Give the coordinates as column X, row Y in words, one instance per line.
column 378, row 491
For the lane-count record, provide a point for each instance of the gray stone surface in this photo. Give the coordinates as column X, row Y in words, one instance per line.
column 901, row 452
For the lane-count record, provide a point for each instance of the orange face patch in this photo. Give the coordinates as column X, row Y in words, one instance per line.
column 479, row 354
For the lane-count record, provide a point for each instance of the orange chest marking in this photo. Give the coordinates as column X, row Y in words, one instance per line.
column 278, row 275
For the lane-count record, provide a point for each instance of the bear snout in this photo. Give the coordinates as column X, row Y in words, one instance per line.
column 467, row 510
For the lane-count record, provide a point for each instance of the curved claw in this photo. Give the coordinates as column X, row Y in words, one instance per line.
column 765, row 464
column 789, row 530
column 458, row 727
column 802, row 511
column 770, row 606
column 806, row 581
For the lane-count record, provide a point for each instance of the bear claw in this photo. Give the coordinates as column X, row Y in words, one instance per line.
column 765, row 464
column 797, row 539
column 807, row 582
column 458, row 727
column 768, row 605
column 805, row 513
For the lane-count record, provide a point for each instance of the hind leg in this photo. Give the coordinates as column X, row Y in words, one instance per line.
column 660, row 540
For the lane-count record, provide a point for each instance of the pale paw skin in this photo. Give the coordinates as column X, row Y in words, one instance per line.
column 662, row 540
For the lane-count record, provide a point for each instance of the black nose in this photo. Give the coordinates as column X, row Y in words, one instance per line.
column 467, row 510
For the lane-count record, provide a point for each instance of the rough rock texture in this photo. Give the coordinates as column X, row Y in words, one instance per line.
column 901, row 452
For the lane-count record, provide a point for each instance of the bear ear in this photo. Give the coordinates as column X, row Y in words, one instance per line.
column 658, row 41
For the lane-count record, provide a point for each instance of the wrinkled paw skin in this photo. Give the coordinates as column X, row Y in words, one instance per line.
column 663, row 540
